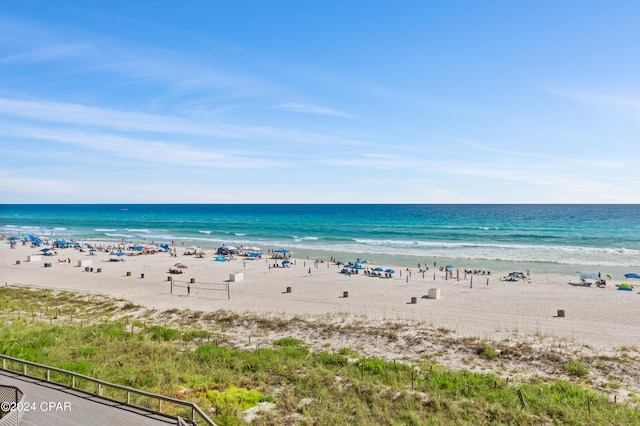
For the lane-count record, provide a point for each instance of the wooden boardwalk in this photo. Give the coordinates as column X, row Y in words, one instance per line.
column 74, row 408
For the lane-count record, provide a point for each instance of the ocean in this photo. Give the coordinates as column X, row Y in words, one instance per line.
column 539, row 238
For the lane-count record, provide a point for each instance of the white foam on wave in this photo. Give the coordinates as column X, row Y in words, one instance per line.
column 561, row 255
column 105, row 230
column 205, row 232
column 146, row 231
column 59, row 229
column 239, row 234
column 118, row 235
column 305, row 238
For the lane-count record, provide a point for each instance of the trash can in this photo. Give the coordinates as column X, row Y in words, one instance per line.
column 90, row 269
column 128, row 274
column 99, row 270
column 345, row 294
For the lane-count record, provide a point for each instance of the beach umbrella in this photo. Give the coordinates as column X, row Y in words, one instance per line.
column 378, row 269
column 635, row 276
column 356, row 267
column 232, row 248
column 44, row 250
column 449, row 267
column 286, row 262
column 390, row 271
column 180, row 265
column 119, row 253
column 282, row 250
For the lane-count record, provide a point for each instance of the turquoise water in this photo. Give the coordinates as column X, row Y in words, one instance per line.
column 541, row 238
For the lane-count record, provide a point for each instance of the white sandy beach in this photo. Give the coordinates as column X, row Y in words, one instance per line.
column 601, row 318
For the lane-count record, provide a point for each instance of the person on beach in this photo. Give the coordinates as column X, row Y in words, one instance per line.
column 188, row 290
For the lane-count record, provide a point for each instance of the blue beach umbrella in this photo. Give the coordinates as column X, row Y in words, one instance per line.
column 282, row 250
column 44, row 250
column 449, row 267
column 378, row 269
column 286, row 262
column 390, row 271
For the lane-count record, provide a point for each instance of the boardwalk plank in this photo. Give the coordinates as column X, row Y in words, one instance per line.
column 84, row 409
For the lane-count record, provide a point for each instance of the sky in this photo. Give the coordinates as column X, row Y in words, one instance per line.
column 167, row 101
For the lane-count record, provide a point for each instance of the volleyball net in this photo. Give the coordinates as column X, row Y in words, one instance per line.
column 200, row 289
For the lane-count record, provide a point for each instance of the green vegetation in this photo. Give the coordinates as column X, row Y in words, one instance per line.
column 305, row 387
column 576, row 369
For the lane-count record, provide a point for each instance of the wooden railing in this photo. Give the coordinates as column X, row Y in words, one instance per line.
column 14, row 397
column 182, row 411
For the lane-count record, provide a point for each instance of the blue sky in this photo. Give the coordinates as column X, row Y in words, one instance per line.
column 319, row 102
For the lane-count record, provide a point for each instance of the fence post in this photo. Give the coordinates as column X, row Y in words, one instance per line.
column 521, row 398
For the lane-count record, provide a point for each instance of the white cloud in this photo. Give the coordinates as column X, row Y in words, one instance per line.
column 149, row 151
column 313, row 109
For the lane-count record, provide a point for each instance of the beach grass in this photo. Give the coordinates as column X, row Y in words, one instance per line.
column 288, row 380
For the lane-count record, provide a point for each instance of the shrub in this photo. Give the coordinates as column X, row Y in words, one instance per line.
column 234, row 398
column 576, row 369
column 487, row 352
column 210, row 352
column 159, row 333
column 288, row 341
column 331, row 359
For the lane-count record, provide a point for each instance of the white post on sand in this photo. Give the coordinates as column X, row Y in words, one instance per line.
column 471, row 284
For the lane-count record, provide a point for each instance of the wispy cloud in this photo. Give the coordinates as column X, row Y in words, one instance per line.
column 625, row 103
column 314, row 109
column 549, row 158
column 125, row 121
column 148, row 151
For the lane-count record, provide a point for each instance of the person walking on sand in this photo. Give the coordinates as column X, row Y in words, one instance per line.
column 188, row 290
